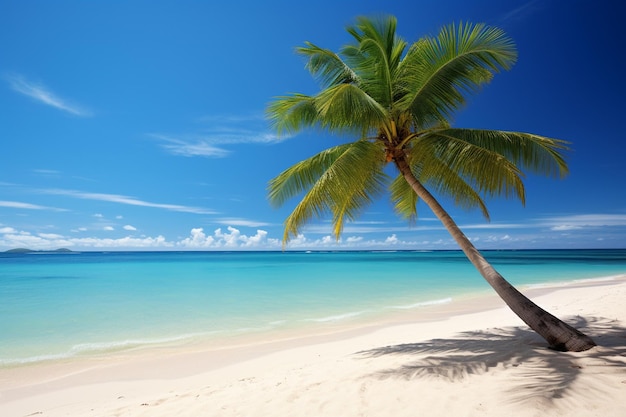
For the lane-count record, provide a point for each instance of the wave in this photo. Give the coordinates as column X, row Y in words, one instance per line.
column 34, row 359
column 337, row 317
column 575, row 281
column 424, row 304
column 96, row 347
column 87, row 349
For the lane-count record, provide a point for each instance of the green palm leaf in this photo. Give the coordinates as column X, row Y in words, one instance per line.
column 291, row 114
column 347, row 108
column 341, row 180
column 438, row 176
column 537, row 154
column 438, row 72
column 487, row 171
column 377, row 56
column 327, row 66
column 404, row 199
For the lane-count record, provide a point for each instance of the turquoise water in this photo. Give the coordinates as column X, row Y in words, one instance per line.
column 70, row 304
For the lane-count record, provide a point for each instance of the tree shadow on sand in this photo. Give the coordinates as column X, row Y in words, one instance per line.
column 535, row 370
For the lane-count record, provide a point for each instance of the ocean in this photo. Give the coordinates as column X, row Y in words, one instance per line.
column 64, row 305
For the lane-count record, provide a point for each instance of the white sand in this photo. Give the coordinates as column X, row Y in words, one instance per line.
column 484, row 363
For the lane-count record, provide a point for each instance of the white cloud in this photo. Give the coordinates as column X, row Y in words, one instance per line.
column 43, row 95
column 108, row 228
column 50, row 236
column 197, row 147
column 328, row 242
column 27, row 206
column 298, row 241
column 231, row 239
column 223, row 130
column 579, row 221
column 255, row 241
column 20, row 239
column 158, row 242
column 197, row 239
column 392, row 240
column 240, row 222
column 121, row 199
column 26, row 240
column 565, row 227
column 495, row 238
column 130, row 228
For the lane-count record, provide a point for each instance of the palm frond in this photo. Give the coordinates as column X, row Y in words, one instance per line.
column 487, row 171
column 537, row 154
column 341, row 180
column 439, row 177
column 301, row 176
column 290, row 114
column 376, row 57
column 327, row 65
column 404, row 198
column 437, row 73
column 347, row 108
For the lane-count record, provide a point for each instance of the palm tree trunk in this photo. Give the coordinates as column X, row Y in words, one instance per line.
column 559, row 335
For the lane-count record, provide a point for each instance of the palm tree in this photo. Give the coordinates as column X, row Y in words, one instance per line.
column 397, row 103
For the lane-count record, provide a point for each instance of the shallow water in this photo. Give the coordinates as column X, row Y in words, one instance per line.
column 70, row 304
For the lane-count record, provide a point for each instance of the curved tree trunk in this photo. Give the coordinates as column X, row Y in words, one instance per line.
column 558, row 334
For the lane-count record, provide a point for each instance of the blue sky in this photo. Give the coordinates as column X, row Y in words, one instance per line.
column 139, row 125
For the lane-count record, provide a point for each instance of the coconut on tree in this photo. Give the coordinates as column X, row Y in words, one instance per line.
column 396, row 101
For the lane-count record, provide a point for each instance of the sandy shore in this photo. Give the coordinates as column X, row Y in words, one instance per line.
column 483, row 362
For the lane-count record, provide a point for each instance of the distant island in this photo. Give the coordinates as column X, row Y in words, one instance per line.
column 25, row 250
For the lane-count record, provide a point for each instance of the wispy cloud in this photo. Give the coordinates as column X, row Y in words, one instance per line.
column 27, row 206
column 121, row 199
column 579, row 221
column 41, row 94
column 217, row 132
column 47, row 172
column 420, row 226
column 554, row 223
column 523, row 11
column 492, row 226
column 190, row 147
column 241, row 222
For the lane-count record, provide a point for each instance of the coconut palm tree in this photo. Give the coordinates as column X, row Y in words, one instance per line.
column 396, row 101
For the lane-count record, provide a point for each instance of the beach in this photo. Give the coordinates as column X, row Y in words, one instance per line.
column 469, row 359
